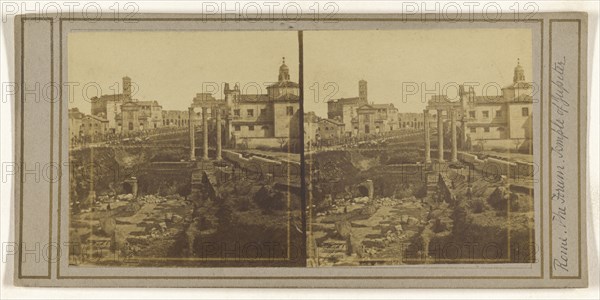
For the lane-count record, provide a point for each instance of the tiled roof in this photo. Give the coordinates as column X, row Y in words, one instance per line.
column 97, row 118
column 336, row 122
column 353, row 100
column 284, row 84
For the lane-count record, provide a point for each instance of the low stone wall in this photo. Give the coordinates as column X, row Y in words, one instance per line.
column 496, row 167
column 503, row 144
column 263, row 166
column 264, row 142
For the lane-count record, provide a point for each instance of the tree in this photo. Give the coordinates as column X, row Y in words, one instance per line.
column 517, row 143
column 480, row 144
column 282, row 141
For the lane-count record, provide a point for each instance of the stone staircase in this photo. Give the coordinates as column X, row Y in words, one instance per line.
column 432, row 181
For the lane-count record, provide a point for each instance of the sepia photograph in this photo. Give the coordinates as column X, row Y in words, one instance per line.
column 339, row 151
column 184, row 149
column 418, row 147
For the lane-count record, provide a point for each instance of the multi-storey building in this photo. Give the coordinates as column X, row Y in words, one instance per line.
column 175, row 118
column 75, row 123
column 93, row 126
column 492, row 121
column 331, row 129
column 345, row 109
column 263, row 117
column 410, row 120
column 375, row 118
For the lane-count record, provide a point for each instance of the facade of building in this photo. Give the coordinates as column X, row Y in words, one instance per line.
column 311, row 130
column 106, row 105
column 94, row 125
column 345, row 109
column 75, row 123
column 265, row 117
column 331, row 129
column 488, row 122
column 175, row 118
column 410, row 120
column 125, row 114
column 375, row 119
column 504, row 120
column 153, row 112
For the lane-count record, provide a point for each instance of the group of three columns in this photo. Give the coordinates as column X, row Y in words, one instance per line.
column 440, row 134
column 191, row 127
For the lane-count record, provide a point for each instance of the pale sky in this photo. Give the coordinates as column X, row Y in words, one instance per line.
column 171, row 67
column 386, row 59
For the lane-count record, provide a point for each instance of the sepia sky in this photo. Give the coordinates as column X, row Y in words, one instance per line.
column 171, row 67
column 386, row 59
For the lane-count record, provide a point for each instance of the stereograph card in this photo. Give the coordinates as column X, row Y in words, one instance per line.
column 176, row 150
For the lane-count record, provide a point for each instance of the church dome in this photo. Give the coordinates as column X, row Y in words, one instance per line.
column 518, row 68
column 519, row 74
column 284, row 72
column 284, row 67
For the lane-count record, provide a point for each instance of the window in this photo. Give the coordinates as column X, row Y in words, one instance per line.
column 498, row 113
column 525, row 111
column 486, row 114
column 290, row 110
column 251, row 127
column 237, row 128
column 472, row 114
column 473, row 130
column 486, row 129
column 265, row 127
column 263, row 111
column 236, row 112
column 250, row 112
column 500, row 128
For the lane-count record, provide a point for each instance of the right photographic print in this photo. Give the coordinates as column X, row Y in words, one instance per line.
column 419, row 146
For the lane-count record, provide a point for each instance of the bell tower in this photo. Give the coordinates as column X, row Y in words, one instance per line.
column 362, row 92
column 127, row 88
column 519, row 73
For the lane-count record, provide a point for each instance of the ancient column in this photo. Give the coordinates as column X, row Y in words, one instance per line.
column 440, row 130
column 192, row 134
column 453, row 130
column 463, row 133
column 218, row 128
column 426, row 134
column 204, row 133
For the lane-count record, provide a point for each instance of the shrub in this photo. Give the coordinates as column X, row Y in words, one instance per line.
column 478, row 206
column 421, row 192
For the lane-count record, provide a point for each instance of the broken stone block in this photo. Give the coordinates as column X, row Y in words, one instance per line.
column 177, row 219
column 412, row 221
column 404, row 219
column 163, row 226
column 108, row 225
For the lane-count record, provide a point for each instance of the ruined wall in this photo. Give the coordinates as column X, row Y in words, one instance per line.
column 496, row 167
column 263, row 166
column 107, row 168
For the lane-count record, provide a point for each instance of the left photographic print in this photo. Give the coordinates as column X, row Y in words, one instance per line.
column 184, row 149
